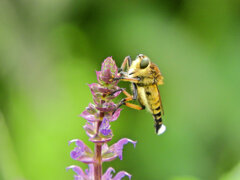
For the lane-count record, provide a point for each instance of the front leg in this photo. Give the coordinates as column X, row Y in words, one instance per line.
column 123, row 74
column 128, row 79
column 126, row 62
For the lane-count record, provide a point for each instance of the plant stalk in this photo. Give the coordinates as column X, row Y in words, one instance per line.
column 98, row 163
column 98, row 154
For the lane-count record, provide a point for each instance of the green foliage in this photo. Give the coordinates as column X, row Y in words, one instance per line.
column 49, row 51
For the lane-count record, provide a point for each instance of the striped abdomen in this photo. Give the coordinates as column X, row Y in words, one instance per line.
column 149, row 96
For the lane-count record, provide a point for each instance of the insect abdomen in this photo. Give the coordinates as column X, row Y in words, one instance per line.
column 157, row 114
column 158, row 121
column 154, row 102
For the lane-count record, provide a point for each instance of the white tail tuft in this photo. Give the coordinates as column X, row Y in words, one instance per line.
column 161, row 130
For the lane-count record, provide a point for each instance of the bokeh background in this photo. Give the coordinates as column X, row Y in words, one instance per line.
column 49, row 51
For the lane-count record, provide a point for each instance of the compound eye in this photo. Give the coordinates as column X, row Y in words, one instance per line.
column 144, row 63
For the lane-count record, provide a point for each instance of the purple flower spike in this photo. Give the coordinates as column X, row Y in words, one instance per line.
column 98, row 116
column 82, row 152
column 115, row 150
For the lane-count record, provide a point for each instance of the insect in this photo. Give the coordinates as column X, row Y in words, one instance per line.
column 145, row 77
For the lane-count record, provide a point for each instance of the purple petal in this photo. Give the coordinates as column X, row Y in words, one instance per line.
column 108, row 174
column 91, row 109
column 116, row 150
column 90, row 129
column 105, row 124
column 90, row 171
column 105, row 107
column 86, row 159
column 90, row 113
column 112, row 95
column 89, row 117
column 91, row 106
column 104, row 148
column 79, row 171
column 116, row 94
column 82, row 152
column 118, row 147
column 75, row 154
column 108, row 71
column 99, row 91
column 97, row 95
column 106, row 132
column 81, row 145
column 116, row 115
column 109, row 63
column 97, row 99
column 104, row 90
column 105, row 127
column 104, row 136
column 95, row 87
column 78, row 178
column 121, row 174
column 98, row 76
column 107, row 76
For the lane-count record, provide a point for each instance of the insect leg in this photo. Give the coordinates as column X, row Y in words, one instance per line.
column 135, row 94
column 125, row 102
column 133, row 106
column 123, row 75
column 133, row 80
column 128, row 98
column 126, row 93
column 127, row 61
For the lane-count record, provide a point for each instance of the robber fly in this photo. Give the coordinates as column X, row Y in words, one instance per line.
column 145, row 78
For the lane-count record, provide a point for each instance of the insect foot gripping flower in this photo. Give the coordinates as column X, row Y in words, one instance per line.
column 99, row 116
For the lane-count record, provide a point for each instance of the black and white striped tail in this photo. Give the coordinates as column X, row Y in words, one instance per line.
column 160, row 127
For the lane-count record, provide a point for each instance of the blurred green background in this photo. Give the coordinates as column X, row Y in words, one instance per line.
column 49, row 51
